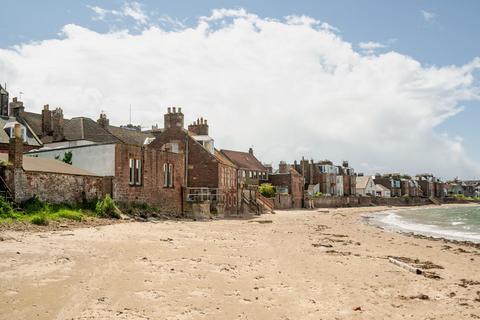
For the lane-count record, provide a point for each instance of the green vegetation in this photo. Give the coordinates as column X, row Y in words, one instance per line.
column 267, row 190
column 318, row 194
column 106, row 208
column 40, row 213
column 463, row 197
column 67, row 157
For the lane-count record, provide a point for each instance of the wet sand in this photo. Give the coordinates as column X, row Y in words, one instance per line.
column 324, row 264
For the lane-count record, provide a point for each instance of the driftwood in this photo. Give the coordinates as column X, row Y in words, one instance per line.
column 404, row 265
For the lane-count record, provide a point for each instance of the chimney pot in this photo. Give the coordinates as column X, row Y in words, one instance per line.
column 46, row 107
column 169, row 110
column 174, row 110
column 179, row 110
column 14, row 99
column 250, row 150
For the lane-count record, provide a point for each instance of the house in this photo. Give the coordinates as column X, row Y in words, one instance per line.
column 349, row 179
column 427, row 184
column 381, row 191
column 56, row 131
column 472, row 188
column 9, row 117
column 251, row 174
column 209, row 175
column 250, row 170
column 50, row 180
column 365, row 186
column 323, row 173
column 289, row 185
column 391, row 181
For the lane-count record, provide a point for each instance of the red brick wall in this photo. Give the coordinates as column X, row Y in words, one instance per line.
column 152, row 190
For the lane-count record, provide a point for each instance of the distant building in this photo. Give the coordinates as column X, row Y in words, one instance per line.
column 381, row 191
column 365, row 186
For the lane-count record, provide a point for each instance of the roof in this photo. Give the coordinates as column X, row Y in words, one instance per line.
column 244, row 160
column 223, row 159
column 362, row 181
column 129, row 136
column 379, row 187
column 37, row 164
column 83, row 128
column 32, row 139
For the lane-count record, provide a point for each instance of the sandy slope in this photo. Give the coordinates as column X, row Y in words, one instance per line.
column 234, row 269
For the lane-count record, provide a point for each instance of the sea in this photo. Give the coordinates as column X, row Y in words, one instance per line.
column 455, row 223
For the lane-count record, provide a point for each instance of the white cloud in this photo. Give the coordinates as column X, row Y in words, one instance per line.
column 428, row 16
column 132, row 10
column 289, row 88
column 370, row 47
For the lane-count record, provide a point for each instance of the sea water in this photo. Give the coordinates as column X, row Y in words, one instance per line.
column 457, row 223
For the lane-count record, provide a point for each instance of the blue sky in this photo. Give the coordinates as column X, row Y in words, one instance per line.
column 435, row 33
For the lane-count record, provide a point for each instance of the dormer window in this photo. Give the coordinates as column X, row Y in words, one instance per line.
column 10, row 131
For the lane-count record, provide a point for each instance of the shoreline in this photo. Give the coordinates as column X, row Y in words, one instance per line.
column 371, row 219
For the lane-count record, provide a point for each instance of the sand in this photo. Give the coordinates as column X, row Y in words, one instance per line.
column 324, row 264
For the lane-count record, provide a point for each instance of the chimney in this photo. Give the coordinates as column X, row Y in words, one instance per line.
column 103, row 120
column 173, row 119
column 16, row 108
column 282, row 167
column 199, row 127
column 250, row 150
column 15, row 148
column 3, row 101
column 57, row 124
column 46, row 120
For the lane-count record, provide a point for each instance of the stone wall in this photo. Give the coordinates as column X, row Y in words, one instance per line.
column 337, row 202
column 282, row 202
column 54, row 187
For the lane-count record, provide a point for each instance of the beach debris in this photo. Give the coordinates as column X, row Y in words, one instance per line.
column 406, row 266
column 357, row 308
column 166, row 240
column 323, row 211
column 418, row 296
column 465, row 283
column 416, row 266
column 262, row 221
column 316, row 245
column 338, row 253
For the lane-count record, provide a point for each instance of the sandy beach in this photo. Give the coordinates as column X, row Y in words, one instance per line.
column 323, row 264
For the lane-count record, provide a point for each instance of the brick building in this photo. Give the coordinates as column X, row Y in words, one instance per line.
column 391, row 182
column 288, row 181
column 332, row 180
column 208, row 174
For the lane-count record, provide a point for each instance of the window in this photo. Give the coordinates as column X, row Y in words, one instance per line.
column 138, row 172
column 11, row 132
column 135, row 177
column 168, row 175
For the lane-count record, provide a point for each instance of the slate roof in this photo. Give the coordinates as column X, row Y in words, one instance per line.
column 244, row 160
column 49, row 165
column 82, row 128
column 32, row 139
column 130, row 136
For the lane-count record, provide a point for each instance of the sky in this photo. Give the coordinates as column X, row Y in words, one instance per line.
column 391, row 86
